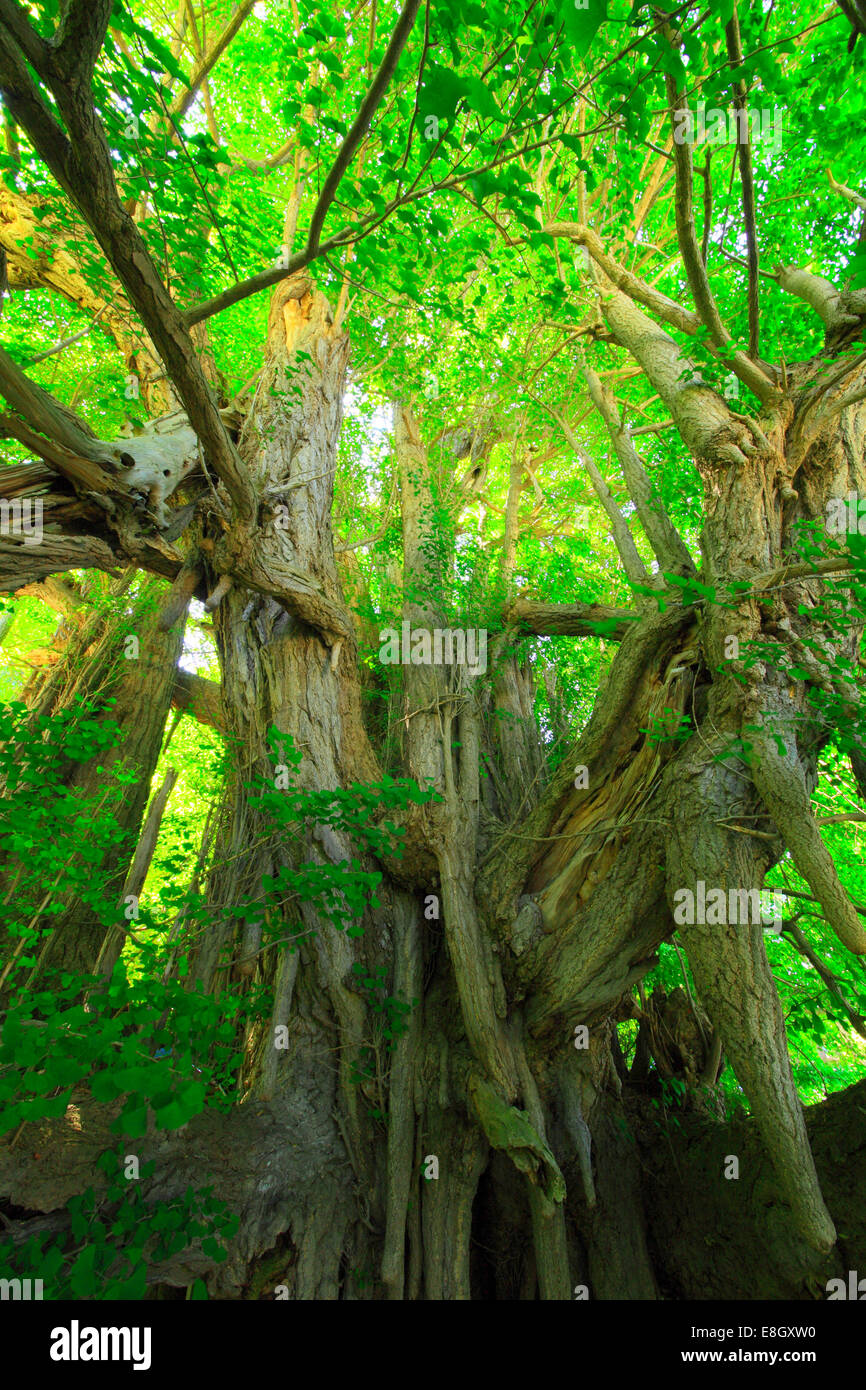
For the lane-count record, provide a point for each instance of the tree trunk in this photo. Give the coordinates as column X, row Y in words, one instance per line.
column 282, row 671
column 124, row 659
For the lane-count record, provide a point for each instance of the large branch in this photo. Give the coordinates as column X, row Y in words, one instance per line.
column 747, row 183
column 82, row 166
column 855, row 13
column 708, row 428
column 314, row 248
column 684, row 215
column 28, row 480
column 22, row 563
column 779, row 779
column 752, row 374
column 668, row 546
column 211, row 58
column 20, row 45
column 571, row 619
column 361, row 123
column 152, row 463
column 696, row 270
column 43, row 413
column 201, row 698
column 34, row 48
column 664, row 308
column 840, row 311
column 79, row 38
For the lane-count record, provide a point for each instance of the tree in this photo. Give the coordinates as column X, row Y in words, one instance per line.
column 512, row 249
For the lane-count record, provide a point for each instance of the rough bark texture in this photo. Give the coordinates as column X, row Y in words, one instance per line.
column 551, row 893
column 293, row 670
column 700, row 1235
column 500, row 1149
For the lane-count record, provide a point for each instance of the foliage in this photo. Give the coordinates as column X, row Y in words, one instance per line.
column 154, row 1049
column 114, row 1237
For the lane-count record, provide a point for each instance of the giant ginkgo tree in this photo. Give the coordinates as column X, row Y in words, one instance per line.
column 572, row 257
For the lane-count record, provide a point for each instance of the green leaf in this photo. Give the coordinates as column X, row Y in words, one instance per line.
column 582, row 22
